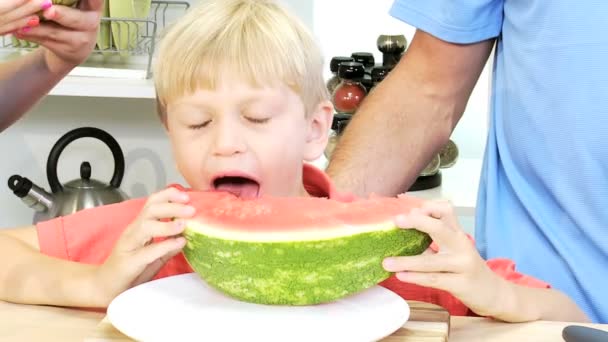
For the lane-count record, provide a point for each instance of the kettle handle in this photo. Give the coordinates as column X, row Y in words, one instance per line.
column 84, row 132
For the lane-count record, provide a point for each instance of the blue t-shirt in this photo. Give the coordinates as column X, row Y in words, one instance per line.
column 543, row 198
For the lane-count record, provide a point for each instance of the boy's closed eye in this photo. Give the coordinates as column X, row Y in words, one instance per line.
column 199, row 126
column 257, row 120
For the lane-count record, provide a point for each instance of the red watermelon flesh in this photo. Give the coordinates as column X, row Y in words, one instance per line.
column 291, row 214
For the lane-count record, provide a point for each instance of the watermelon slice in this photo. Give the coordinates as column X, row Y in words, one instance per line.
column 296, row 251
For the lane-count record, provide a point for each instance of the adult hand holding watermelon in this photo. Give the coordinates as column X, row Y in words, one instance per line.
column 135, row 258
column 68, row 34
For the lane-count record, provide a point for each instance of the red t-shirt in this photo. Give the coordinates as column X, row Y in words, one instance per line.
column 88, row 236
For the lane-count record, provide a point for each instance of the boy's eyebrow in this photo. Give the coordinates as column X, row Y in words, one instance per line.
column 191, row 107
column 253, row 97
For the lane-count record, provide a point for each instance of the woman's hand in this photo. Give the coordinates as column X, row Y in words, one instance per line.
column 68, row 35
column 21, row 14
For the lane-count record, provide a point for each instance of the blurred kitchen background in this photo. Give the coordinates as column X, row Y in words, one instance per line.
column 127, row 112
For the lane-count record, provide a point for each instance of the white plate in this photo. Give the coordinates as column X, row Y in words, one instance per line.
column 185, row 308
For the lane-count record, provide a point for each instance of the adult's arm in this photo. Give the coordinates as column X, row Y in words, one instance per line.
column 23, row 82
column 408, row 117
column 68, row 37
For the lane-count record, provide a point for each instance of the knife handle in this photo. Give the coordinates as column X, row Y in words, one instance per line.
column 579, row 333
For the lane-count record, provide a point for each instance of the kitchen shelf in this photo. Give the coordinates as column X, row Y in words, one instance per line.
column 105, row 87
column 102, row 80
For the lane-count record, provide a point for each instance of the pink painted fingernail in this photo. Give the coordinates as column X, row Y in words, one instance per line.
column 47, row 4
column 26, row 29
column 34, row 21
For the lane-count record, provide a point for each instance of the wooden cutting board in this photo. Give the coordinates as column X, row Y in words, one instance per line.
column 427, row 323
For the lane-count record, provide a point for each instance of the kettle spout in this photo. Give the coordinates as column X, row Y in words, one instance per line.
column 32, row 195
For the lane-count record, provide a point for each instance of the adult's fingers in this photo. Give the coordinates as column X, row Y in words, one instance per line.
column 47, row 32
column 91, row 5
column 11, row 10
column 16, row 25
column 10, row 5
column 74, row 18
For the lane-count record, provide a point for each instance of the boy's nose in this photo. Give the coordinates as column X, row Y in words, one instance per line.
column 227, row 140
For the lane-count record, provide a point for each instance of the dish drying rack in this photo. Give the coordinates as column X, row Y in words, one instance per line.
column 134, row 59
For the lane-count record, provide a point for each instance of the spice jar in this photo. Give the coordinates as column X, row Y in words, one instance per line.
column 333, row 67
column 349, row 94
column 365, row 58
column 367, row 82
column 368, row 61
column 379, row 73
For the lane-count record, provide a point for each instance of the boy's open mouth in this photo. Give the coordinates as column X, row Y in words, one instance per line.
column 240, row 186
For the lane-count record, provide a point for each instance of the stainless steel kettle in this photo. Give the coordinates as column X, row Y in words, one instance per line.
column 77, row 194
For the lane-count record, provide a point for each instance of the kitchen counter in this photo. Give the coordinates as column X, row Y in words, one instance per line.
column 42, row 323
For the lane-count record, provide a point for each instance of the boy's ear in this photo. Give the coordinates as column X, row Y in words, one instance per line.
column 318, row 130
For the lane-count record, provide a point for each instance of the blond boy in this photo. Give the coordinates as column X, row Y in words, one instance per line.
column 242, row 98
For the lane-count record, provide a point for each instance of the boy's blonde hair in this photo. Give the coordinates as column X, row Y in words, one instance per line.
column 257, row 40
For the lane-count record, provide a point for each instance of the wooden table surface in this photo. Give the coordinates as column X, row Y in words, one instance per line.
column 41, row 323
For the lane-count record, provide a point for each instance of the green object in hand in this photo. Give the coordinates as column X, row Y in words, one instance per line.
column 65, row 2
column 71, row 3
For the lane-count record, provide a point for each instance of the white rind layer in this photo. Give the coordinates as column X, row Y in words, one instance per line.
column 324, row 233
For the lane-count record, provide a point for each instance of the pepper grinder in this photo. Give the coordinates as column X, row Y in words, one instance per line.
column 392, row 47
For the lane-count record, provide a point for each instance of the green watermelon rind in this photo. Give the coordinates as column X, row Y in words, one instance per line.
column 298, row 272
